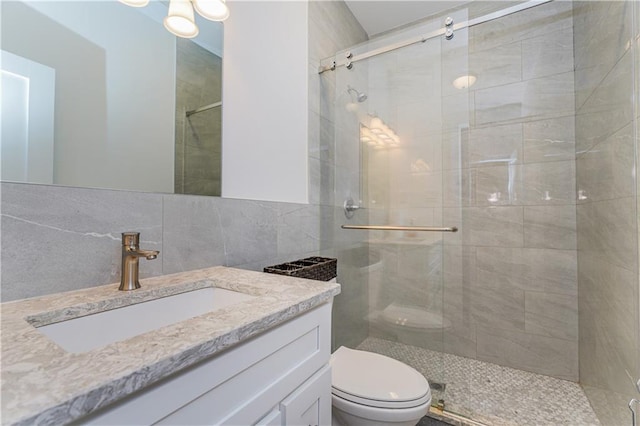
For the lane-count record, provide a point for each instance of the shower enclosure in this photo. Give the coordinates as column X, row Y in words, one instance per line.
column 198, row 147
column 517, row 124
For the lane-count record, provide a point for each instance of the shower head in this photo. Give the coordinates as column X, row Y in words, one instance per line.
column 361, row 97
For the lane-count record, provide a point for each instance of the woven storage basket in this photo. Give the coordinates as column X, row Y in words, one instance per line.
column 313, row 268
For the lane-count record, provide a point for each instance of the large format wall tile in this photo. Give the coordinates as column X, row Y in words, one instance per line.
column 497, row 66
column 607, row 204
column 501, row 309
column 535, row 22
column 492, row 226
column 250, row 230
column 608, row 229
column 602, row 31
column 550, row 227
column 539, row 354
column 608, row 109
column 193, row 236
column 549, row 183
column 608, row 327
column 607, row 170
column 541, row 270
column 544, row 97
column 60, row 239
column 551, row 315
column 549, row 140
column 492, row 146
column 548, row 54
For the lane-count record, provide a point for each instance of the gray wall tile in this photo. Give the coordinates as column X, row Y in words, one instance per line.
column 607, row 171
column 548, row 54
column 544, row 97
column 58, row 239
column 492, row 226
column 551, row 315
column 530, row 352
column 550, row 227
column 549, row 140
column 607, row 228
column 608, row 109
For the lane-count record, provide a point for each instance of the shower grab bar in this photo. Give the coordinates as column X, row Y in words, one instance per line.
column 401, row 228
column 203, row 108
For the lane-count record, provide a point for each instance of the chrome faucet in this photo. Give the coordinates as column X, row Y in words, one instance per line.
column 131, row 254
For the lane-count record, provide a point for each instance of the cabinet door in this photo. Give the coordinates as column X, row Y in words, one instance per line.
column 274, row 418
column 310, row 404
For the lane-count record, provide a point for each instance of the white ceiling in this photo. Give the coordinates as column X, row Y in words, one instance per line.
column 380, row 16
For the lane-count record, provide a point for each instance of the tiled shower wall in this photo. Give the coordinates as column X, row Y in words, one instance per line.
column 58, row 239
column 606, row 144
column 501, row 167
column 511, row 272
column 198, row 147
column 329, row 169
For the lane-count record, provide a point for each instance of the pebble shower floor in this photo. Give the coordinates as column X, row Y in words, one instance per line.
column 492, row 394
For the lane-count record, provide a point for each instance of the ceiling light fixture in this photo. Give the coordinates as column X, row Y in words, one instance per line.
column 378, row 134
column 180, row 19
column 213, row 10
column 464, row 82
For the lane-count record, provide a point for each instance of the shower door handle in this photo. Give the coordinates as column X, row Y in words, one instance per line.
column 634, row 416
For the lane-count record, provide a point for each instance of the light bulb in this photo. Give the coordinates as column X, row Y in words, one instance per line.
column 180, row 20
column 135, row 3
column 214, row 10
column 376, row 123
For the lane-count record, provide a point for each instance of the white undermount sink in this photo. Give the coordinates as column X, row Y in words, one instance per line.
column 94, row 331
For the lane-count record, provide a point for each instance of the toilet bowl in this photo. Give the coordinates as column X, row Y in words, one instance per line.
column 371, row 389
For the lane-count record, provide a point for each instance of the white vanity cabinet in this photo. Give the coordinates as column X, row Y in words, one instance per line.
column 279, row 377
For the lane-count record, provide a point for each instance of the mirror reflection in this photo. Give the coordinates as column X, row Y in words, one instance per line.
column 99, row 94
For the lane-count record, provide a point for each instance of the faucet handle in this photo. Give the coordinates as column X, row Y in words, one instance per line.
column 131, row 239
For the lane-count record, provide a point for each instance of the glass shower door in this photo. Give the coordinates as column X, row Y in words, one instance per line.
column 393, row 117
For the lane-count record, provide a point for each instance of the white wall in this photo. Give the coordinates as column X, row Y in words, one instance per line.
column 265, row 92
column 27, row 130
column 115, row 90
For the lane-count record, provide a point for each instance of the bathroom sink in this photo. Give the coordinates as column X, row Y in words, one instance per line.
column 89, row 332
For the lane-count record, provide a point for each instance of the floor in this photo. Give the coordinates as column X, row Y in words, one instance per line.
column 491, row 394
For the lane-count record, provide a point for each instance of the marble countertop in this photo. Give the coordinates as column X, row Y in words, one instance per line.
column 44, row 384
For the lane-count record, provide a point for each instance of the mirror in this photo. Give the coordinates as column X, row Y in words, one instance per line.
column 99, row 94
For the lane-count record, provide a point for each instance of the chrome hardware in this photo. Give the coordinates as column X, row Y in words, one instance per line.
column 349, row 207
column 331, row 67
column 348, row 55
column 633, row 411
column 204, row 108
column 362, row 55
column 349, row 65
column 400, row 228
column 448, row 34
column 448, row 23
column 131, row 254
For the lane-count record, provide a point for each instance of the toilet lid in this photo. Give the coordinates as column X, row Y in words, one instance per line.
column 376, row 380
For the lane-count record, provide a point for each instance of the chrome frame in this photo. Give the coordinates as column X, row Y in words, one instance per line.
column 448, row 31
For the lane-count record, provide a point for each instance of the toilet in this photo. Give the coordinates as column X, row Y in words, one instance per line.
column 371, row 389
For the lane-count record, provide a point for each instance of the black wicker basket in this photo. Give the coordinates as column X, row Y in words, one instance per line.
column 313, row 268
